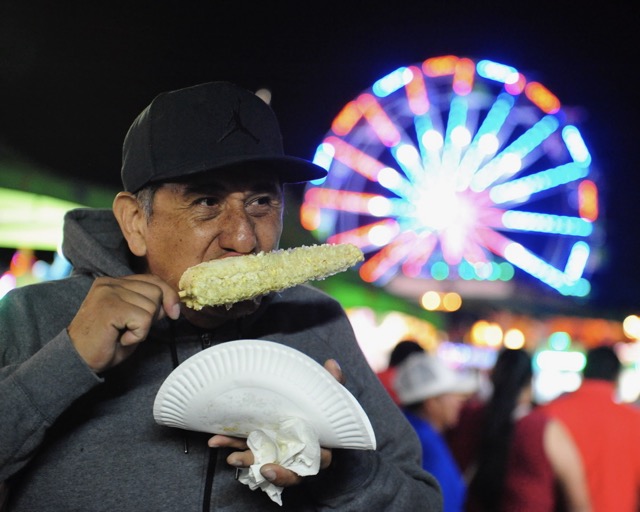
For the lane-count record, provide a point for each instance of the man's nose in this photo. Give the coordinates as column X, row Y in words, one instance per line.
column 238, row 232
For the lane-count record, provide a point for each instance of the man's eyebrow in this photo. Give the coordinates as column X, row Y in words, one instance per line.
column 220, row 187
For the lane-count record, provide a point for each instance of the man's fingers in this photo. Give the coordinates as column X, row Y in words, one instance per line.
column 219, row 441
column 280, row 476
column 158, row 291
column 326, row 456
column 332, row 366
column 117, row 314
column 133, row 335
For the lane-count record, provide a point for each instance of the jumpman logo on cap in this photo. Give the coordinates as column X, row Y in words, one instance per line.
column 235, row 125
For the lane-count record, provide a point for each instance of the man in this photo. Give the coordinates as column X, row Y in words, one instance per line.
column 432, row 395
column 605, row 432
column 83, row 358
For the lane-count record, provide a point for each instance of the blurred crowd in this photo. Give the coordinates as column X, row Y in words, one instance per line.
column 494, row 449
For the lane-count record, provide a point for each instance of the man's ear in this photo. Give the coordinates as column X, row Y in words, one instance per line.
column 132, row 221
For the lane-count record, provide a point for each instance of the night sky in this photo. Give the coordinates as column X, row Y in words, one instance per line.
column 74, row 74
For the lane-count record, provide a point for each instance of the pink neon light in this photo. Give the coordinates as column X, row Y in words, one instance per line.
column 346, row 119
column 494, row 241
column 516, row 87
column 385, row 259
column 383, row 127
column 355, row 202
column 417, row 93
column 422, row 250
column 463, row 76
column 357, row 160
column 360, row 236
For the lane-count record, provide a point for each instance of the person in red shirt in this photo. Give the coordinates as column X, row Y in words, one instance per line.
column 515, row 457
column 606, row 433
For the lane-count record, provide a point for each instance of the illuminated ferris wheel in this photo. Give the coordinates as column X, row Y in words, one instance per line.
column 453, row 169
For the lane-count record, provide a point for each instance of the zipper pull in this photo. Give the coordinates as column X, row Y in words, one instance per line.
column 206, row 340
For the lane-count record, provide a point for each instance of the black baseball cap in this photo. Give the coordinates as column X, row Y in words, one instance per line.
column 211, row 127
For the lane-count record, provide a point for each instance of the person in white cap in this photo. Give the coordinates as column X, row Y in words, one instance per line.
column 431, row 395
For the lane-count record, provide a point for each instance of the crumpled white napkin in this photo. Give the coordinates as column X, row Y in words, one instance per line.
column 294, row 445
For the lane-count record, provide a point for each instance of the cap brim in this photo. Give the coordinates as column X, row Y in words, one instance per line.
column 288, row 169
column 463, row 384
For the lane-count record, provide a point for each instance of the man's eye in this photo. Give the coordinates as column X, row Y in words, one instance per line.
column 263, row 200
column 207, row 201
column 260, row 201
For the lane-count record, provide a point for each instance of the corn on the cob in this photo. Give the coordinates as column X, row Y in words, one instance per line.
column 230, row 280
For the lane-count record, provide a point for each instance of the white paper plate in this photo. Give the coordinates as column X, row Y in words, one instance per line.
column 239, row 386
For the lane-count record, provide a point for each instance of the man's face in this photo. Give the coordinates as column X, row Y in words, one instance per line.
column 209, row 219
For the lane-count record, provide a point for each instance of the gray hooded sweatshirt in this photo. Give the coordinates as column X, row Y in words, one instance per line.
column 73, row 440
